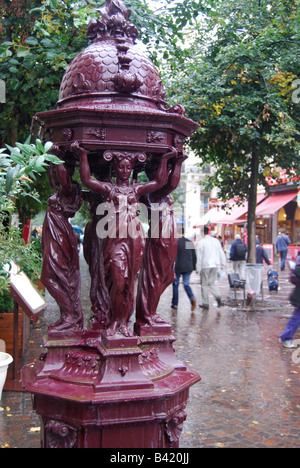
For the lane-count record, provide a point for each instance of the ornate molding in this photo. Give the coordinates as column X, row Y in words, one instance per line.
column 174, row 428
column 79, row 367
column 152, row 366
column 60, row 435
column 97, row 133
column 114, row 23
column 67, row 134
column 81, row 84
column 156, row 137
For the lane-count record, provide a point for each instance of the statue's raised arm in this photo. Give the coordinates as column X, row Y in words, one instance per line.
column 97, row 186
column 161, row 176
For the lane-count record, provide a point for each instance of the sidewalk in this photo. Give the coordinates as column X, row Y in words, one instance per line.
column 249, row 393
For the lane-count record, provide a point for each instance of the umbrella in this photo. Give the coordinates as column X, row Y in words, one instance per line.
column 78, row 229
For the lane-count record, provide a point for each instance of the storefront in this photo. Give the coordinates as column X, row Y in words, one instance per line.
column 229, row 222
column 279, row 213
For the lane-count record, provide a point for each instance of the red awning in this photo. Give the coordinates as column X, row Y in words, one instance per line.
column 215, row 214
column 211, row 217
column 238, row 214
column 274, row 203
column 234, row 215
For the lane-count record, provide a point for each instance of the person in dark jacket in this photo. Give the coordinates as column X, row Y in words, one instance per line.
column 237, row 256
column 286, row 338
column 261, row 254
column 185, row 263
column 282, row 243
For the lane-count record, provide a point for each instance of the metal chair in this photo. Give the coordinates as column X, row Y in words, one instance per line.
column 236, row 283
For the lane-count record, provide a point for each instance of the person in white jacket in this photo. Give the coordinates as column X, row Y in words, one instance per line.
column 210, row 258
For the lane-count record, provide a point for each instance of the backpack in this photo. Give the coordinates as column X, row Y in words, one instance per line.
column 240, row 251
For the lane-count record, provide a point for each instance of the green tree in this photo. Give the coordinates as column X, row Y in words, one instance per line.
column 238, row 84
column 39, row 38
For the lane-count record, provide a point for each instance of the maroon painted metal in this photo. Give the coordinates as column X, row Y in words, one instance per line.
column 109, row 385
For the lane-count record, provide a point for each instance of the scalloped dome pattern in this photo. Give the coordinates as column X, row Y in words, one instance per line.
column 95, row 68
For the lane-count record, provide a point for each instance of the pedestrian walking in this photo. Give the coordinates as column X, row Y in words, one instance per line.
column 261, row 254
column 237, row 255
column 294, row 322
column 185, row 264
column 210, row 257
column 282, row 243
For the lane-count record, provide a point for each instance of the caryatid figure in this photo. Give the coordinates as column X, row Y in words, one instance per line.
column 124, row 242
column 157, row 271
column 61, row 271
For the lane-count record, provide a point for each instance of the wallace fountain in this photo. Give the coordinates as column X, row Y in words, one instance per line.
column 110, row 384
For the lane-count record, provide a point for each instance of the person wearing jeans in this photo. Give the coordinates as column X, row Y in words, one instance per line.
column 185, row 263
column 282, row 243
column 188, row 290
column 210, row 257
column 286, row 338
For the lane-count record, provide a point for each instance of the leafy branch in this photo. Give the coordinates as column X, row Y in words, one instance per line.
column 19, row 166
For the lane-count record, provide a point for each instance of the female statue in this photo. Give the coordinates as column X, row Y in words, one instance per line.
column 124, row 244
column 157, row 271
column 61, row 271
column 93, row 254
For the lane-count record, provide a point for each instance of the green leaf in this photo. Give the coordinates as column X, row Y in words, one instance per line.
column 23, row 51
column 18, row 159
column 54, row 159
column 39, row 164
column 9, row 179
column 31, row 41
column 39, row 146
column 47, row 146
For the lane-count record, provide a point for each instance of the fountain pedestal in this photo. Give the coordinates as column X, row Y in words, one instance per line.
column 95, row 392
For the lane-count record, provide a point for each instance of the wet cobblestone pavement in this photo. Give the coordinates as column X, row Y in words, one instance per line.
column 249, row 393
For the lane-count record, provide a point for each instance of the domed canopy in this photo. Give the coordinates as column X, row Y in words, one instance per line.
column 112, row 67
column 111, row 96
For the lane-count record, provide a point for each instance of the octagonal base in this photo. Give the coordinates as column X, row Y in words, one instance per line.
column 94, row 391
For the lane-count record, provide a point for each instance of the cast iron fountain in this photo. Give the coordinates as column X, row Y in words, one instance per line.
column 110, row 385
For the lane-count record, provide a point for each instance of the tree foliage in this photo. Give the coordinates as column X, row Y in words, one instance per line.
column 39, row 38
column 238, row 85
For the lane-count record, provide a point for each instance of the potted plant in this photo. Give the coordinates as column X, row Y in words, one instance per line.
column 5, row 360
column 19, row 166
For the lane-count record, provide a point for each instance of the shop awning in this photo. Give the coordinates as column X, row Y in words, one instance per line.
column 234, row 215
column 273, row 203
column 211, row 217
column 238, row 214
